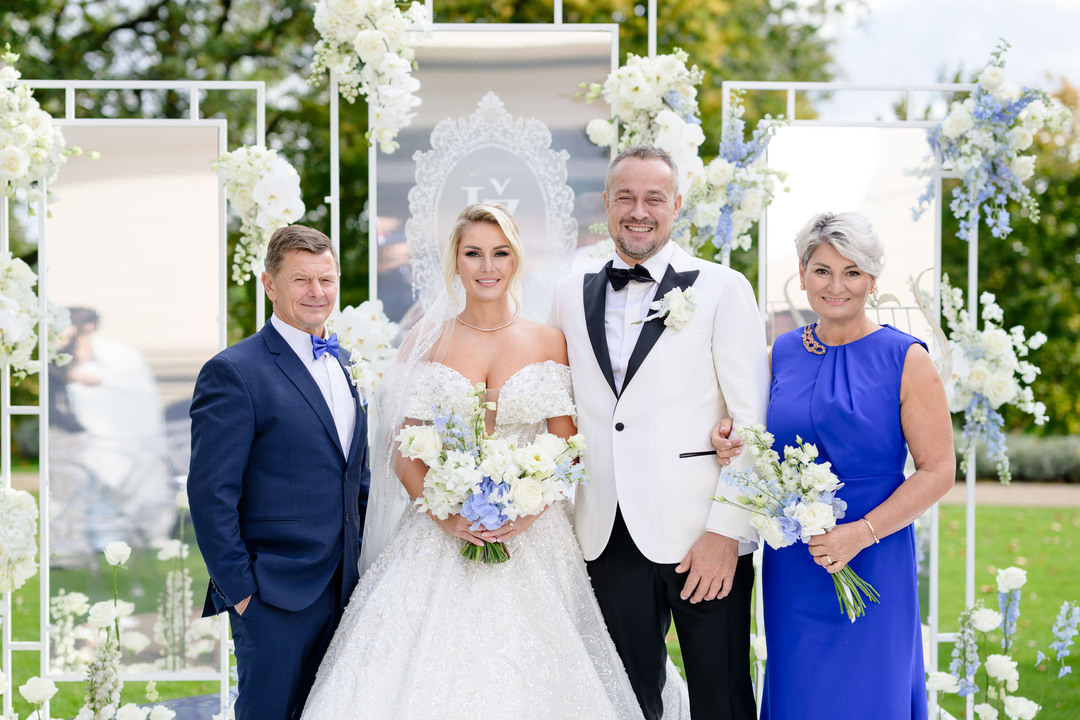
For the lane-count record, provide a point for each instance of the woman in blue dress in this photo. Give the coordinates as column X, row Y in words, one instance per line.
column 865, row 394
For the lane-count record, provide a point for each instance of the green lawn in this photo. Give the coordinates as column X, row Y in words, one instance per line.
column 1044, row 541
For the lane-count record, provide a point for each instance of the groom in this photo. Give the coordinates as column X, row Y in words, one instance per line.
column 278, row 481
column 648, row 392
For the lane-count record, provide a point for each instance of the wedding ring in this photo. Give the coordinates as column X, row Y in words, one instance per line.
column 511, row 524
column 829, row 560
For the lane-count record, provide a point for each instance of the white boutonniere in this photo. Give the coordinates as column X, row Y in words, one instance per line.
column 676, row 308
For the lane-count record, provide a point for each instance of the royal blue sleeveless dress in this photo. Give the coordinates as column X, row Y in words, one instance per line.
column 820, row 665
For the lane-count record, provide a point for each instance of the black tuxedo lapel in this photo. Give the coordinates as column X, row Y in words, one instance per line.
column 651, row 330
column 299, row 375
column 594, row 294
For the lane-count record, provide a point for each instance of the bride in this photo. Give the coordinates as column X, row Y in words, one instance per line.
column 429, row 633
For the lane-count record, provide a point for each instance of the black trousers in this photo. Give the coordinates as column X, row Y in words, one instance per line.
column 278, row 653
column 639, row 598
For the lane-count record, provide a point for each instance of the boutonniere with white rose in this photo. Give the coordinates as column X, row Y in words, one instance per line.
column 676, row 308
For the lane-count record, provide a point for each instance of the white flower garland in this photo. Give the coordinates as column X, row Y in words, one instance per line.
column 264, row 190
column 639, row 91
column 18, row 538
column 654, row 102
column 983, row 138
column 31, row 146
column 19, row 317
column 368, row 334
column 987, row 373
column 367, row 43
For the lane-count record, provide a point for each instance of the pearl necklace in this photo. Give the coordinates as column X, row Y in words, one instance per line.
column 500, row 327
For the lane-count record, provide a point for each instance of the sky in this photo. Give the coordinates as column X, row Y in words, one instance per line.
column 913, row 41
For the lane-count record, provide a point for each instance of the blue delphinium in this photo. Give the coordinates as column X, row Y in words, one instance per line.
column 1065, row 630
column 1009, row 604
column 965, row 657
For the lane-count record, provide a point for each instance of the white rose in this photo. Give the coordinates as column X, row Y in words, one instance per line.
column 706, row 215
column 996, row 342
column 14, row 162
column 761, row 649
column 985, row 619
column 131, row 711
column 1023, row 167
column 37, row 690
column 1001, row 388
column 172, row 550
column 941, row 682
column 752, row 203
column 1021, row 138
column 117, row 553
column 552, row 445
column 978, row 375
column 720, row 172
column 1011, row 578
column 957, row 122
column 421, row 442
column 527, row 495
column 369, row 45
column 1018, row 708
column 601, row 132
column 1001, row 668
column 134, row 641
column 534, row 461
column 815, row 518
column 102, row 614
column 992, row 77
column 680, row 309
column 1033, row 116
column 986, row 711
column 160, row 712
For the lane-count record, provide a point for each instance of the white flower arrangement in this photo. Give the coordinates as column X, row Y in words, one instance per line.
column 1002, row 671
column 988, row 371
column 676, row 308
column 722, row 200
column 18, row 538
column 654, row 102
column 983, row 138
column 368, row 334
column 638, row 92
column 486, row 480
column 368, row 43
column 19, row 319
column 264, row 190
column 792, row 500
column 31, row 147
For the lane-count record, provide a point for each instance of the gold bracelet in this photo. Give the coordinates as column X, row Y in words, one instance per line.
column 872, row 531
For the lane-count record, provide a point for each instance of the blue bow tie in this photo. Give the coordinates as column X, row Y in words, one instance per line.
column 320, row 346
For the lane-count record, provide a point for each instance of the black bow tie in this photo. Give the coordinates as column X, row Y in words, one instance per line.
column 619, row 277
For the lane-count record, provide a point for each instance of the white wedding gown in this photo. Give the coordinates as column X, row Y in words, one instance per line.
column 430, row 634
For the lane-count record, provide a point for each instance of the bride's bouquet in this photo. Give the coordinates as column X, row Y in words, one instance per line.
column 488, row 480
column 794, row 500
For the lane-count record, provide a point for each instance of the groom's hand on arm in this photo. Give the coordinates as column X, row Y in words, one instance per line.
column 710, row 566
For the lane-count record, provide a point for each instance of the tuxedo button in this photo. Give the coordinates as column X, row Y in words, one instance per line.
column 619, row 426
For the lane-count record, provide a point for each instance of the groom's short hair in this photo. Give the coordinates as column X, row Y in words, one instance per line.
column 644, row 152
column 296, row 237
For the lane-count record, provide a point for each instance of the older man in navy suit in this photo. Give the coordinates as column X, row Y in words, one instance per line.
column 278, row 481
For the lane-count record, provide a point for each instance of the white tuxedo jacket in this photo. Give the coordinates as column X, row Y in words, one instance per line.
column 648, row 448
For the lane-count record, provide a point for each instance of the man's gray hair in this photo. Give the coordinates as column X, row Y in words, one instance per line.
column 644, row 152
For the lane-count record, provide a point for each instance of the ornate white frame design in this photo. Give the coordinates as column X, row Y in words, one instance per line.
column 452, row 142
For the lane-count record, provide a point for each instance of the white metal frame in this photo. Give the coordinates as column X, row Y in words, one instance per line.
column 69, row 119
column 791, row 89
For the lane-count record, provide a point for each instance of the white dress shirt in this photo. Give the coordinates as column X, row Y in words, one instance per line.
column 328, row 374
column 627, row 306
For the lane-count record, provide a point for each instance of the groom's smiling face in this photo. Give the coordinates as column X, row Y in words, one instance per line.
column 642, row 205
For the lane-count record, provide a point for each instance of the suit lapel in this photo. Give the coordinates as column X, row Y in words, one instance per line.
column 651, row 330
column 343, row 360
column 301, row 378
column 594, row 294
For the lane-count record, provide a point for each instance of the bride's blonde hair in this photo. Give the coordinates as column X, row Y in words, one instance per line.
column 492, row 215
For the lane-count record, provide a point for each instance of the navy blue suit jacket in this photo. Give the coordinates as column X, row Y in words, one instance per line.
column 275, row 505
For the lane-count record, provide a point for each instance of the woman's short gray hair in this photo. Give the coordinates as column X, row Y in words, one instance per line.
column 849, row 233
